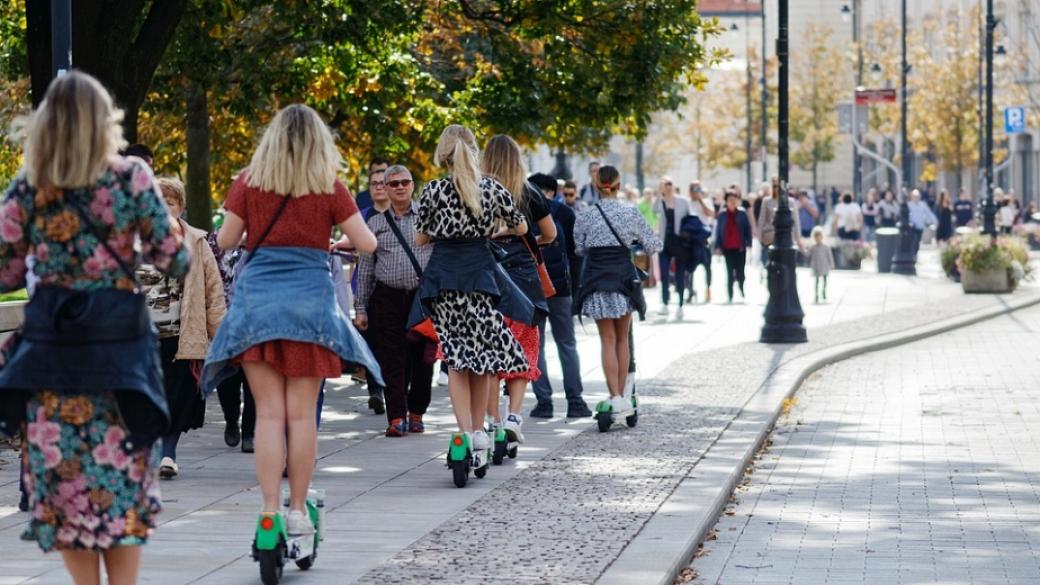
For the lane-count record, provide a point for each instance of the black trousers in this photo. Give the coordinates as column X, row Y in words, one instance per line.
column 407, row 376
column 735, row 261
column 235, row 399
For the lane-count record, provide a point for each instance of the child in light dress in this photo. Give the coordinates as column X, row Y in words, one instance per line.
column 821, row 261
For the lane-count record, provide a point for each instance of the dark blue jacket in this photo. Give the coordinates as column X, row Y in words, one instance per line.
column 743, row 225
column 559, row 255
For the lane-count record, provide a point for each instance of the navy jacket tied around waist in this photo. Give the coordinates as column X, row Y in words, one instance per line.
column 467, row 265
column 285, row 293
column 610, row 270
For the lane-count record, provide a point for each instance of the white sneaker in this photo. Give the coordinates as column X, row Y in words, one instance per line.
column 298, row 523
column 620, row 405
column 679, row 313
column 480, row 441
column 663, row 311
column 442, row 379
column 513, row 425
column 167, row 468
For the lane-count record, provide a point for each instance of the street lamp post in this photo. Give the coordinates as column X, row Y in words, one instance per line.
column 989, row 210
column 765, row 99
column 853, row 13
column 783, row 314
column 904, row 261
column 61, row 37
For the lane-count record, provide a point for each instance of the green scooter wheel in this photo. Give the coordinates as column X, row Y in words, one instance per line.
column 604, row 420
column 271, row 564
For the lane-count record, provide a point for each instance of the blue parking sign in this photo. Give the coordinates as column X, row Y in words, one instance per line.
column 1015, row 120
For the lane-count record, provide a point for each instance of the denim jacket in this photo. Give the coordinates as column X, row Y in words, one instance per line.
column 285, row 293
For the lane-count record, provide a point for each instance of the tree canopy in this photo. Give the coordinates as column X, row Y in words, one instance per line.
column 387, row 75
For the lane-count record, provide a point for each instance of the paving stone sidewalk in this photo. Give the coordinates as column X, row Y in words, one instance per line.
column 918, row 464
column 567, row 517
column 565, row 511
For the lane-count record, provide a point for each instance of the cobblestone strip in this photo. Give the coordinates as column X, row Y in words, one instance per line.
column 564, row 519
column 918, row 464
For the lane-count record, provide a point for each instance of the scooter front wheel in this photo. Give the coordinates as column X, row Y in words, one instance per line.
column 499, row 454
column 271, row 564
column 604, row 420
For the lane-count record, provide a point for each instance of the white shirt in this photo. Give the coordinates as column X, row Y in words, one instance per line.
column 848, row 215
column 696, row 209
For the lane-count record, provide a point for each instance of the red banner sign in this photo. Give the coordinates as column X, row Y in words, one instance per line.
column 871, row 96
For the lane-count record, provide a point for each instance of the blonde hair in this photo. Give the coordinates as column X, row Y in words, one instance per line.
column 297, row 155
column 503, row 161
column 173, row 188
column 457, row 151
column 817, row 230
column 74, row 136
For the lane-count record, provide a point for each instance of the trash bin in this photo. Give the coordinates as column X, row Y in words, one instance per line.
column 887, row 240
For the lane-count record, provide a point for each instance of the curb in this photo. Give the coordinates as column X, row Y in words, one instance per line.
column 666, row 543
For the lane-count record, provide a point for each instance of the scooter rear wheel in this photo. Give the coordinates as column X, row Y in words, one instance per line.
column 603, row 420
column 459, row 473
column 499, row 454
column 271, row 565
column 512, row 452
column 631, row 420
column 480, row 472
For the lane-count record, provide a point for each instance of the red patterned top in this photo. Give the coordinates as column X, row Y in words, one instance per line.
column 306, row 222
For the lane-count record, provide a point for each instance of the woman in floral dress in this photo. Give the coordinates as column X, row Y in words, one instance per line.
column 93, row 492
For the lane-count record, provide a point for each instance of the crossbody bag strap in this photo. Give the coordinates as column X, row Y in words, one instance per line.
column 404, row 244
column 611, row 226
column 93, row 229
column 267, row 230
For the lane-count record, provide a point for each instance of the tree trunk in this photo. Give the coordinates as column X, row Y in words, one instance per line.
column 200, row 213
column 119, row 43
column 815, row 169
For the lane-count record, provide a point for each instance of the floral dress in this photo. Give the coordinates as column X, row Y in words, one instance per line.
column 473, row 334
column 85, row 491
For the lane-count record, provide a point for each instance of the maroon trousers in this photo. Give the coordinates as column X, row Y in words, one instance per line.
column 408, row 377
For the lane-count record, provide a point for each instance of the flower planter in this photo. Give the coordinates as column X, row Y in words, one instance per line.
column 994, row 280
column 846, row 257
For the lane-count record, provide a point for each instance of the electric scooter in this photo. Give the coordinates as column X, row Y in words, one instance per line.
column 273, row 546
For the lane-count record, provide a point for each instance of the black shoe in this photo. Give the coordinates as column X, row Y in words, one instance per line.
column 376, row 404
column 23, row 504
column 232, row 435
column 247, row 444
column 544, row 409
column 578, row 410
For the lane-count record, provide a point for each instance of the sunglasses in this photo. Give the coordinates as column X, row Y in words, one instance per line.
column 399, row 183
column 612, row 188
column 569, row 193
column 375, row 183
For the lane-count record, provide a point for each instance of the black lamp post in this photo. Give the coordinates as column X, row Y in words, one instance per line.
column 989, row 209
column 562, row 170
column 783, row 313
column 61, row 37
column 905, row 259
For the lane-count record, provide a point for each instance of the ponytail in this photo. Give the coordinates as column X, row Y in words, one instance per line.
column 457, row 150
column 465, row 175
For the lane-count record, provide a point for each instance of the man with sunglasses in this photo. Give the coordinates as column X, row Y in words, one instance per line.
column 387, row 281
column 570, row 196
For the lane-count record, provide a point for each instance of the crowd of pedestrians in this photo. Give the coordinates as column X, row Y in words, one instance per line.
column 135, row 315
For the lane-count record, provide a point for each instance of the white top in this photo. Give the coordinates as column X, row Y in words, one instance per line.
column 697, row 210
column 848, row 215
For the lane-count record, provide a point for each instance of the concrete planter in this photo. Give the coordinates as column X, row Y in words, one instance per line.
column 994, row 280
